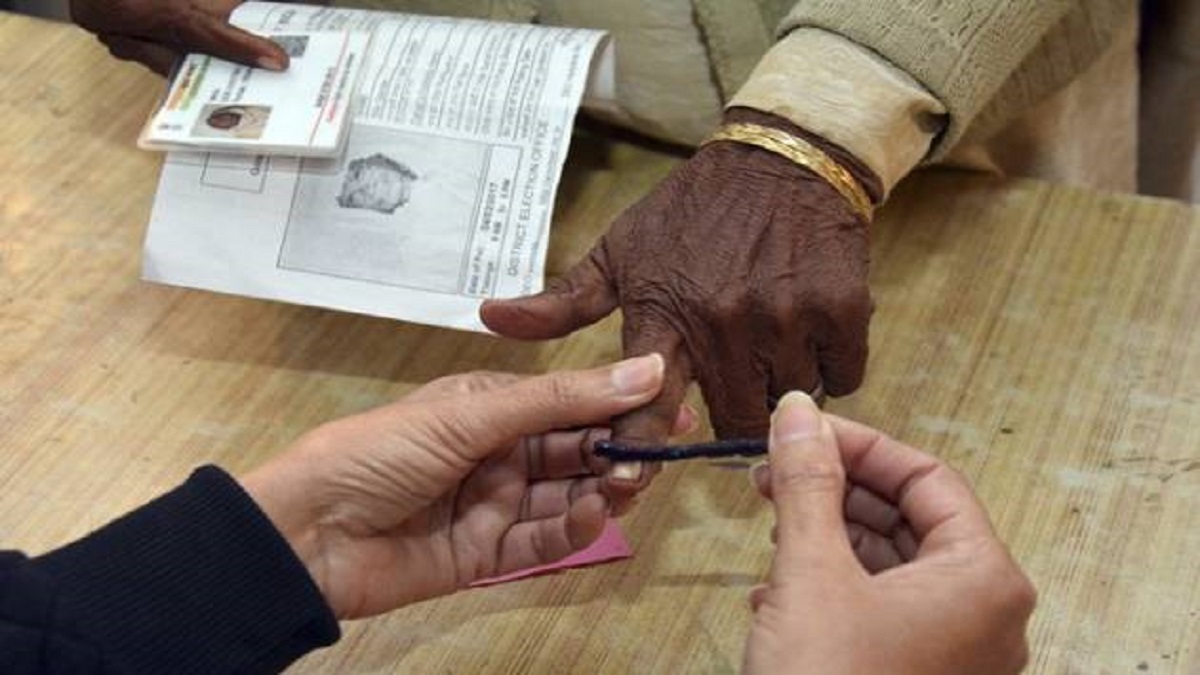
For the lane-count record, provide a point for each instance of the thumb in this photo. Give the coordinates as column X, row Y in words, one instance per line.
column 493, row 419
column 808, row 484
column 581, row 297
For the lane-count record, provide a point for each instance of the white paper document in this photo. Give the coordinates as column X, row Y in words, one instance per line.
column 442, row 196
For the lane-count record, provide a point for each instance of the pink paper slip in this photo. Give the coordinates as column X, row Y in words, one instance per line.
column 609, row 547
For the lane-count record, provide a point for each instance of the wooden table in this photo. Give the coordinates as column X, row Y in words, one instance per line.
column 1041, row 338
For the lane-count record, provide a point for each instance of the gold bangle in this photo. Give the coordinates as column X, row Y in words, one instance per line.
column 803, row 153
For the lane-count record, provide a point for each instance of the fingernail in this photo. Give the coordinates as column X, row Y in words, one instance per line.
column 270, row 63
column 690, row 419
column 632, row 377
column 760, row 474
column 796, row 418
column 627, row 471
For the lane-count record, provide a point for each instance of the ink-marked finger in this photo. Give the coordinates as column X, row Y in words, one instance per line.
column 568, row 454
column 652, row 423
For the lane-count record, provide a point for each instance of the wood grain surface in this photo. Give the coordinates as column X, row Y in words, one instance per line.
column 1042, row 339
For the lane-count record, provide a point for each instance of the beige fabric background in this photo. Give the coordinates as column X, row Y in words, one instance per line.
column 1085, row 134
column 1128, row 123
column 679, row 61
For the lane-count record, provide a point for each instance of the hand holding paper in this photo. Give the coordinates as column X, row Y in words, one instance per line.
column 157, row 33
column 442, row 196
column 218, row 105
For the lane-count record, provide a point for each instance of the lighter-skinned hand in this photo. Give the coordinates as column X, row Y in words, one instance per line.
column 468, row 477
column 745, row 270
column 885, row 563
column 157, row 33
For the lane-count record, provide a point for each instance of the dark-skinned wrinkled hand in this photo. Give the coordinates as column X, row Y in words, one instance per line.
column 156, row 33
column 747, row 272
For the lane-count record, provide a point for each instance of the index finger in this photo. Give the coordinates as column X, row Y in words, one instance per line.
column 936, row 500
column 197, row 31
column 651, row 423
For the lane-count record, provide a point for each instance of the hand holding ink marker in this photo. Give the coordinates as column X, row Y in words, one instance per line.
column 736, row 447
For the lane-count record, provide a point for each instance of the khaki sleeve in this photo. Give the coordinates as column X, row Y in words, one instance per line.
column 845, row 93
column 962, row 51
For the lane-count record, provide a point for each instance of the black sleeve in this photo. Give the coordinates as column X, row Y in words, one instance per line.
column 197, row 581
